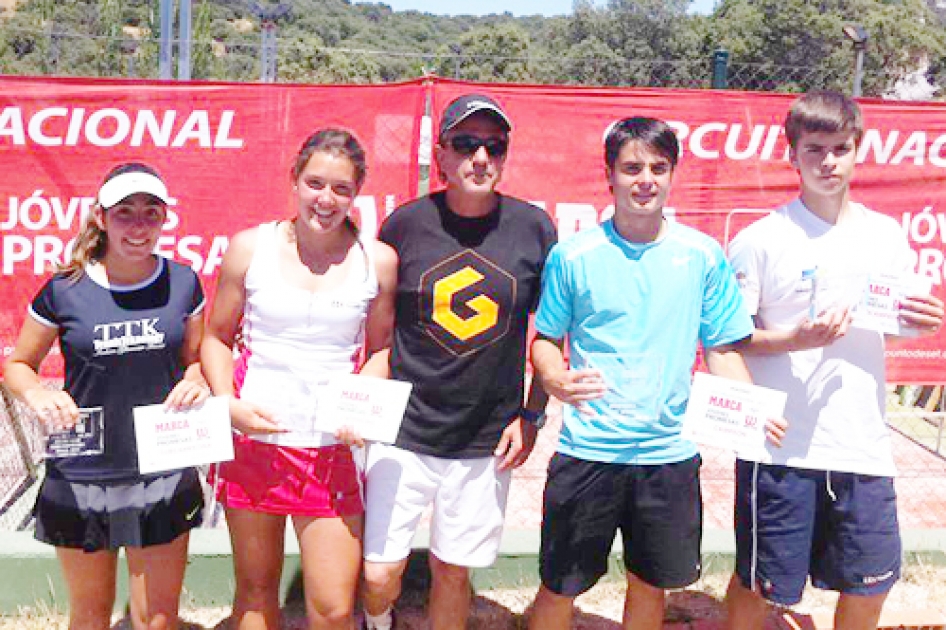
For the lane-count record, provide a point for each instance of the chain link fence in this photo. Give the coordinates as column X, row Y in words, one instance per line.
column 917, row 434
column 767, row 77
column 21, row 469
column 51, row 51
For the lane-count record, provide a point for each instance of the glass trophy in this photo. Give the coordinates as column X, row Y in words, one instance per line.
column 85, row 438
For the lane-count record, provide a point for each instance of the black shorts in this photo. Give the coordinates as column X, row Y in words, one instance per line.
column 838, row 527
column 658, row 509
column 95, row 517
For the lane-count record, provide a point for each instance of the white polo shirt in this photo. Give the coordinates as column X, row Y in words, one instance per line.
column 790, row 264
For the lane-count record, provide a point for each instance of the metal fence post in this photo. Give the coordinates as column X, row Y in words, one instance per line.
column 426, row 140
column 858, row 36
column 720, row 69
column 52, row 53
column 268, row 52
column 858, row 70
column 129, row 48
column 167, row 27
column 939, row 418
column 184, row 41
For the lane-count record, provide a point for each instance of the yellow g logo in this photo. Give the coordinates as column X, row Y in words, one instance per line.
column 486, row 310
column 465, row 302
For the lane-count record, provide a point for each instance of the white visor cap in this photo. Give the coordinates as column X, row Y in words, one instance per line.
column 127, row 184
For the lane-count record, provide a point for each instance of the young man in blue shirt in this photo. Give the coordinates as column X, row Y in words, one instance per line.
column 635, row 297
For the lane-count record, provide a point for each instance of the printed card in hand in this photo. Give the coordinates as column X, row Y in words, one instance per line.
column 731, row 414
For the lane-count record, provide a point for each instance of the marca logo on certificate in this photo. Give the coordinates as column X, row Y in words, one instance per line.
column 880, row 307
column 168, row 440
column 731, row 414
column 372, row 406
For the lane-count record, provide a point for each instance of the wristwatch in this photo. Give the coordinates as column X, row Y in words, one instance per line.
column 535, row 418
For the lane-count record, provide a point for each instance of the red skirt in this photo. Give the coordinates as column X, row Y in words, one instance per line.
column 320, row 482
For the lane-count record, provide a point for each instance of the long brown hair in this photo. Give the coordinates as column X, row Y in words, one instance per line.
column 91, row 242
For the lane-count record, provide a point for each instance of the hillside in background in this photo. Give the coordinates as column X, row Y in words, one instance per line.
column 787, row 45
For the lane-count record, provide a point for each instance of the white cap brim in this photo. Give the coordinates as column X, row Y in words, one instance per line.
column 128, row 184
column 480, row 109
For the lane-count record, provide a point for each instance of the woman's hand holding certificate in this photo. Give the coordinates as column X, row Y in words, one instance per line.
column 362, row 407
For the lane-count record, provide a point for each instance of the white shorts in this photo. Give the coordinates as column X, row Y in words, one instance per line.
column 469, row 500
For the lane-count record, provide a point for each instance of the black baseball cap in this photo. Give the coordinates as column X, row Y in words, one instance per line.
column 465, row 106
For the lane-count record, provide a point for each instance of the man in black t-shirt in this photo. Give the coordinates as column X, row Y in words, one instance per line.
column 469, row 275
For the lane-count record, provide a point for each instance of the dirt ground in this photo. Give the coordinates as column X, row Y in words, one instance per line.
column 922, row 587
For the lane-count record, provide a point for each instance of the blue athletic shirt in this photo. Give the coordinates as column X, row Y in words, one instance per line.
column 637, row 312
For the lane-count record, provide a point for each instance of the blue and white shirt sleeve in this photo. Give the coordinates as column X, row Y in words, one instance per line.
column 724, row 318
column 554, row 315
column 43, row 309
column 198, row 302
column 744, row 257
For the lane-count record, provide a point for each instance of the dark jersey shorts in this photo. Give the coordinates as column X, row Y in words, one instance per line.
column 95, row 517
column 840, row 528
column 658, row 509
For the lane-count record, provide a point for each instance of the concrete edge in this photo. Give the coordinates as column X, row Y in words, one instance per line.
column 516, row 542
column 30, row 573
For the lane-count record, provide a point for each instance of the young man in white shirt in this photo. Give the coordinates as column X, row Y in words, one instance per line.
column 825, row 506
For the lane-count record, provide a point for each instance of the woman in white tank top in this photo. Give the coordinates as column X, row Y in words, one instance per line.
column 308, row 298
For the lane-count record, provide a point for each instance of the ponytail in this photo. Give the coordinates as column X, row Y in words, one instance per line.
column 89, row 246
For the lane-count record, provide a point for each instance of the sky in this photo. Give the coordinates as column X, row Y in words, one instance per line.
column 516, row 7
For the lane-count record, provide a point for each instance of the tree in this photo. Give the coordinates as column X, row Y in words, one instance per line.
column 801, row 42
column 109, row 32
column 500, row 53
column 308, row 61
column 591, row 62
column 788, row 45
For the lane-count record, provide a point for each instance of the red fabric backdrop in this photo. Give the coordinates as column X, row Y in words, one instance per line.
column 225, row 150
column 733, row 168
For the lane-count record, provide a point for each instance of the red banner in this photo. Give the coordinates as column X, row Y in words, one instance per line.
column 733, row 168
column 225, row 151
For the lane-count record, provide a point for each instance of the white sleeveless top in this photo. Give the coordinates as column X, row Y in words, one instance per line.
column 295, row 338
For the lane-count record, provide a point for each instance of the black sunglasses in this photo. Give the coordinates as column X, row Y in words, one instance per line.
column 468, row 145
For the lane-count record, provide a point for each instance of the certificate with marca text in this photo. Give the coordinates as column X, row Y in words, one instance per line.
column 372, row 406
column 731, row 414
column 879, row 309
column 168, row 440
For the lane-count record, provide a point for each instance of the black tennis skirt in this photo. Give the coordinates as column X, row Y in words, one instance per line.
column 94, row 517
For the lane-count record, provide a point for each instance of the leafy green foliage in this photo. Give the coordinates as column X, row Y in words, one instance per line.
column 807, row 35
column 788, row 45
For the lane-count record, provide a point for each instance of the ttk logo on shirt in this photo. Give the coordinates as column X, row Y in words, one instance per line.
column 131, row 336
column 465, row 302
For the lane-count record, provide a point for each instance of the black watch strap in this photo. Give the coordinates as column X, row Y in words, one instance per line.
column 533, row 417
